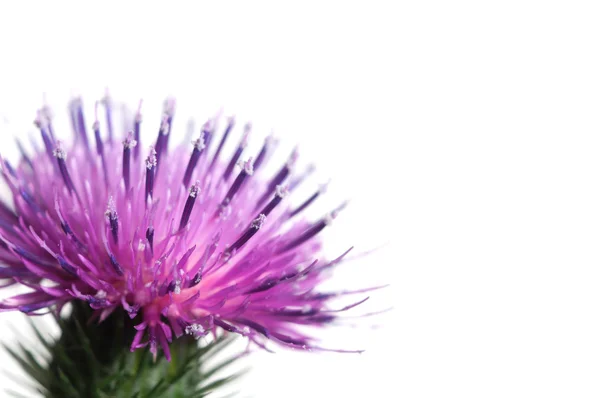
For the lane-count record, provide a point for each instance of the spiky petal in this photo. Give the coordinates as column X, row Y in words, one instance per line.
column 117, row 231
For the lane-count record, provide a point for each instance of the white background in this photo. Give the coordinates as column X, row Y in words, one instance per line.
column 466, row 133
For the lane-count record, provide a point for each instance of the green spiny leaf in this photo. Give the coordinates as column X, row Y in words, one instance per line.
column 39, row 336
column 202, row 392
column 25, row 365
column 220, row 366
column 94, row 361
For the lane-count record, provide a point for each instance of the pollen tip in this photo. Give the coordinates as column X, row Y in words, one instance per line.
column 323, row 187
column 47, row 112
column 247, row 166
column 177, row 287
column 76, row 100
column 106, row 100
column 271, row 139
column 333, row 214
column 258, row 222
column 41, row 120
column 111, row 209
column 199, row 143
column 195, row 189
column 164, row 125
column 195, row 330
column 151, row 160
column 59, row 152
column 293, row 158
column 208, row 125
column 281, row 191
column 129, row 142
column 245, row 138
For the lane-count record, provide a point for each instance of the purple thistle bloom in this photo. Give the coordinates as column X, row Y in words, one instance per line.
column 174, row 236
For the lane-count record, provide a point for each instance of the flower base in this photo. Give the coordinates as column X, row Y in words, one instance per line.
column 96, row 362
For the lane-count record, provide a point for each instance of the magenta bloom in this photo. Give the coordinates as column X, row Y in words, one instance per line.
column 178, row 237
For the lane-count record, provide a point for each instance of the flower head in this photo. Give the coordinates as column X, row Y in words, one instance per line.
column 180, row 238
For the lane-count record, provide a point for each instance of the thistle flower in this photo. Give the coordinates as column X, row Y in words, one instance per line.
column 186, row 243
